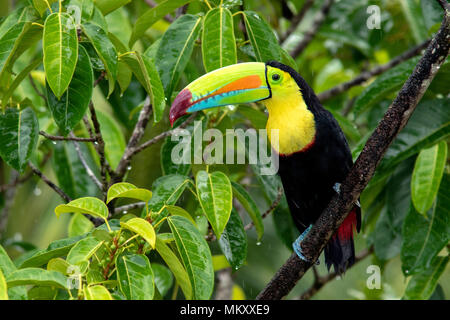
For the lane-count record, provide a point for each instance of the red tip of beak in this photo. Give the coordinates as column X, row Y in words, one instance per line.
column 179, row 106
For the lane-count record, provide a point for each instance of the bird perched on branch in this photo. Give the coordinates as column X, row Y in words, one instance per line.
column 314, row 154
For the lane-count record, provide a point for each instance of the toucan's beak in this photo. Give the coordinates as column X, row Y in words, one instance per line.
column 235, row 84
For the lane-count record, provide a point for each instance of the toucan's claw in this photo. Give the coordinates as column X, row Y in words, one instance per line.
column 298, row 248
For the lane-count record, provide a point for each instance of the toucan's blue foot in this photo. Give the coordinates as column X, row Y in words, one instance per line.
column 297, row 245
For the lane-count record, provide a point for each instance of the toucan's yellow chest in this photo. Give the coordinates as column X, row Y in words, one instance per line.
column 295, row 123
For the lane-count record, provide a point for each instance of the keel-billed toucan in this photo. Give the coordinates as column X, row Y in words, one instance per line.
column 314, row 154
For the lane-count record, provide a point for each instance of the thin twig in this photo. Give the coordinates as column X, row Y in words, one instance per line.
column 320, row 281
column 129, row 207
column 272, row 207
column 366, row 75
column 296, row 20
column 33, row 85
column 309, row 35
column 85, row 165
column 364, row 168
column 62, row 138
column 44, row 178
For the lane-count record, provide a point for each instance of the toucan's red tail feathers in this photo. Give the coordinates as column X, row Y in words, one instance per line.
column 340, row 250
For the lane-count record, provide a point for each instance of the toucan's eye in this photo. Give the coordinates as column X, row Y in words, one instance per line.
column 275, row 77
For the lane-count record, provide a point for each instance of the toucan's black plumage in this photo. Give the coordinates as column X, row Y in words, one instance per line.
column 308, row 176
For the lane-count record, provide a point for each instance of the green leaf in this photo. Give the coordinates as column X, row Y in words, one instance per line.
column 114, row 138
column 176, row 267
column 167, row 165
column 79, row 225
column 215, row 197
column 429, row 123
column 175, row 50
column 60, row 45
column 37, row 277
column 422, row 285
column 166, row 191
column 83, row 250
column 14, row 42
column 152, row 15
column 145, row 71
column 135, row 277
column 383, row 85
column 108, row 6
column 262, row 38
column 18, row 80
column 19, row 130
column 234, row 241
column 58, row 264
column 83, row 9
column 250, row 206
column 89, row 205
column 70, row 172
column 55, row 249
column 427, row 175
column 413, row 14
column 178, row 211
column 3, row 287
column 218, row 41
column 42, row 5
column 7, row 267
column 425, row 237
column 128, row 190
column 105, row 50
column 163, row 278
column 195, row 254
column 97, row 292
column 143, row 228
column 70, row 108
column 220, row 262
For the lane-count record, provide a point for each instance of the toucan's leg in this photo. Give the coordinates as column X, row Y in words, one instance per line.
column 337, row 188
column 297, row 244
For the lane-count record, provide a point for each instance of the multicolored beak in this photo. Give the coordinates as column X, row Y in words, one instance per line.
column 235, row 84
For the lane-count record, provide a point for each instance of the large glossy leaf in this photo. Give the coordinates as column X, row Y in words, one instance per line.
column 425, row 237
column 218, row 42
column 128, row 190
column 107, row 6
column 167, row 165
column 3, row 287
column 15, row 41
column 38, row 277
column 176, row 267
column 42, row 5
column 70, row 108
column 70, row 172
column 386, row 83
column 195, row 254
column 60, row 45
column 215, row 197
column 163, row 278
column 114, row 138
column 143, row 228
column 135, row 276
column 250, row 206
column 19, row 130
column 233, row 241
column 175, row 50
column 429, row 123
column 83, row 250
column 89, row 205
column 105, row 50
column 152, row 15
column 145, row 71
column 7, row 267
column 422, row 285
column 166, row 190
column 55, row 249
column 97, row 292
column 427, row 175
column 262, row 38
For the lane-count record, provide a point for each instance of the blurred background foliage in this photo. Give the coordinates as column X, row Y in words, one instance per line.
column 342, row 49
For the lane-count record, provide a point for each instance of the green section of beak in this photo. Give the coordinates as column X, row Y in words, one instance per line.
column 235, row 84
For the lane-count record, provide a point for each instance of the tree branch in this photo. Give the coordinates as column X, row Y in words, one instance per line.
column 272, row 207
column 38, row 172
column 366, row 75
column 310, row 34
column 362, row 171
column 296, row 20
column 61, row 138
column 129, row 207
